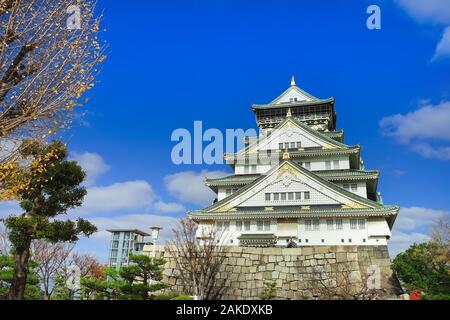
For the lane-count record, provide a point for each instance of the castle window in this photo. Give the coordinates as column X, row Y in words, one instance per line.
column 283, row 195
column 267, row 196
column 349, row 240
column 299, row 144
column 298, row 196
column 361, row 223
column 306, row 240
column 280, row 146
column 286, row 145
column 307, row 195
column 226, row 225
column 267, row 225
column 336, row 164
column 323, row 240
column 308, row 225
column 364, row 240
column 247, row 225
column 342, row 240
column 339, row 225
column 276, row 196
column 353, row 224
column 330, row 225
column 316, row 224
column 260, row 225
column 254, row 168
column 308, row 165
column 354, row 187
column 292, row 145
column 290, row 196
column 239, row 225
column 328, row 164
column 228, row 192
column 346, row 186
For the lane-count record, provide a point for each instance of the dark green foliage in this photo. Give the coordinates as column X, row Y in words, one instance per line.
column 32, row 291
column 425, row 267
column 54, row 187
column 133, row 282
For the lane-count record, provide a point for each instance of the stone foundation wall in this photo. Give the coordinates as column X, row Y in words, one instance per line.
column 297, row 272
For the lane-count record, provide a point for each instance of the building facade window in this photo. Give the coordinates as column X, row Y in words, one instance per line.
column 290, row 196
column 298, row 196
column 238, row 225
column 307, row 165
column 361, row 223
column 316, row 225
column 276, row 196
column 354, row 187
column 353, row 224
column 306, row 195
column 328, row 164
column 336, row 164
column 339, row 225
column 247, row 225
column 308, row 225
column 267, row 196
column 330, row 224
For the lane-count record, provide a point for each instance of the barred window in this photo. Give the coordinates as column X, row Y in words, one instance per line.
column 354, row 187
column 339, row 225
column 308, row 225
column 239, row 225
column 336, row 164
column 283, row 195
column 247, row 225
column 298, row 196
column 307, row 195
column 299, row 144
column 226, row 225
column 316, row 224
column 260, row 225
column 267, row 225
column 330, row 225
column 290, row 196
column 267, row 196
column 361, row 223
column 276, row 196
column 328, row 164
column 353, row 223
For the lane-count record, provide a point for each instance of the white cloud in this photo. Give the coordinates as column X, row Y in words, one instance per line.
column 443, row 47
column 436, row 11
column 8, row 208
column 412, row 226
column 134, row 221
column 130, row 195
column 93, row 164
column 421, row 128
column 189, row 186
column 412, row 218
column 167, row 207
column 402, row 241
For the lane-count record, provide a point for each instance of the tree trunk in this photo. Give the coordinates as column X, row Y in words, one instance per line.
column 19, row 281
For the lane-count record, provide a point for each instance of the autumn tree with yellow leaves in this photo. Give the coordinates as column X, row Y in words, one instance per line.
column 49, row 54
column 46, row 184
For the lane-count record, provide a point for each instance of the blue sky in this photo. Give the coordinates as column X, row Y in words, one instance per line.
column 173, row 62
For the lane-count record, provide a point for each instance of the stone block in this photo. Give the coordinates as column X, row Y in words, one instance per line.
column 275, row 274
column 307, row 251
column 261, row 268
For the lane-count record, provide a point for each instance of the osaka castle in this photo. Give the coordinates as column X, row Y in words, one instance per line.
column 297, row 183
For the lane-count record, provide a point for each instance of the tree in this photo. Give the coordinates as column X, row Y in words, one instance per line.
column 47, row 63
column 198, row 262
column 440, row 230
column 425, row 267
column 32, row 291
column 136, row 281
column 50, row 259
column 89, row 267
column 46, row 186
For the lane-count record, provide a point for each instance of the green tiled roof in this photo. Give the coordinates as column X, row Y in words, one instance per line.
column 291, row 104
column 313, row 175
column 295, row 213
column 333, row 175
